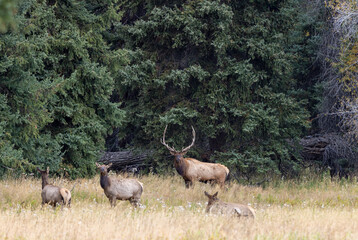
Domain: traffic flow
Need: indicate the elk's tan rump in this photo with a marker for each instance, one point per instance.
(66, 195)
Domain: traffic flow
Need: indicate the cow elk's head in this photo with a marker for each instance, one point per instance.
(212, 198)
(103, 168)
(44, 176)
(177, 154)
(44, 172)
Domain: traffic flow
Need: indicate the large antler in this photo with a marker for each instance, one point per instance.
(163, 141)
(192, 144)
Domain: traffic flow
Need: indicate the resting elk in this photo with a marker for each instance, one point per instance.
(52, 194)
(194, 170)
(122, 189)
(215, 206)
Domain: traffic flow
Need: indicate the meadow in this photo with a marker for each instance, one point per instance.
(315, 208)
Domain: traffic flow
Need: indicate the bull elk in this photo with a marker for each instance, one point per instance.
(122, 189)
(194, 170)
(52, 194)
(216, 206)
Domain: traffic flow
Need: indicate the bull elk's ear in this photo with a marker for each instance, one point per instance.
(48, 170)
(172, 153)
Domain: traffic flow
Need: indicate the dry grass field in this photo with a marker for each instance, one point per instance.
(312, 209)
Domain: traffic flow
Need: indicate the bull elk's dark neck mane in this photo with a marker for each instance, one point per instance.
(180, 165)
(105, 181)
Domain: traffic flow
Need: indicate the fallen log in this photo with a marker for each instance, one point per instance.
(125, 160)
(329, 150)
(313, 147)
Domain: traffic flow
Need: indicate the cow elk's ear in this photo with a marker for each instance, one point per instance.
(98, 165)
(216, 194)
(109, 165)
(207, 194)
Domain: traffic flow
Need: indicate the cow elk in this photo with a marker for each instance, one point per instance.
(122, 189)
(194, 170)
(216, 206)
(52, 194)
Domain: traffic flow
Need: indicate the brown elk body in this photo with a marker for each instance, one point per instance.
(120, 189)
(52, 194)
(194, 170)
(216, 206)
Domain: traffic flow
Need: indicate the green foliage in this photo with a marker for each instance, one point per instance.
(10, 157)
(7, 10)
(55, 76)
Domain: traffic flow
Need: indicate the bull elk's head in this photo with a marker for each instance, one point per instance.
(178, 154)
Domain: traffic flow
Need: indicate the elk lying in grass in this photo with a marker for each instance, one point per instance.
(121, 189)
(194, 170)
(52, 194)
(216, 206)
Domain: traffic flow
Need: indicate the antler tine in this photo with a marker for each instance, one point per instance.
(163, 141)
(192, 144)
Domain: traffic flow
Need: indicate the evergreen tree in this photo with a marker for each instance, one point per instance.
(55, 76)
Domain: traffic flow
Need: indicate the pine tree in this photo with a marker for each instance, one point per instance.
(55, 72)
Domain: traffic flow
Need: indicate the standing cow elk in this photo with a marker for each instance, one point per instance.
(52, 194)
(122, 189)
(194, 170)
(215, 206)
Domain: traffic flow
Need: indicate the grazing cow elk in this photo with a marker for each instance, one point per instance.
(194, 170)
(52, 194)
(122, 189)
(216, 206)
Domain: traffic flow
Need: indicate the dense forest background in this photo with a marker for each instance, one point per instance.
(253, 77)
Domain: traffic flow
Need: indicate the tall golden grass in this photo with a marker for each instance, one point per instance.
(312, 209)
